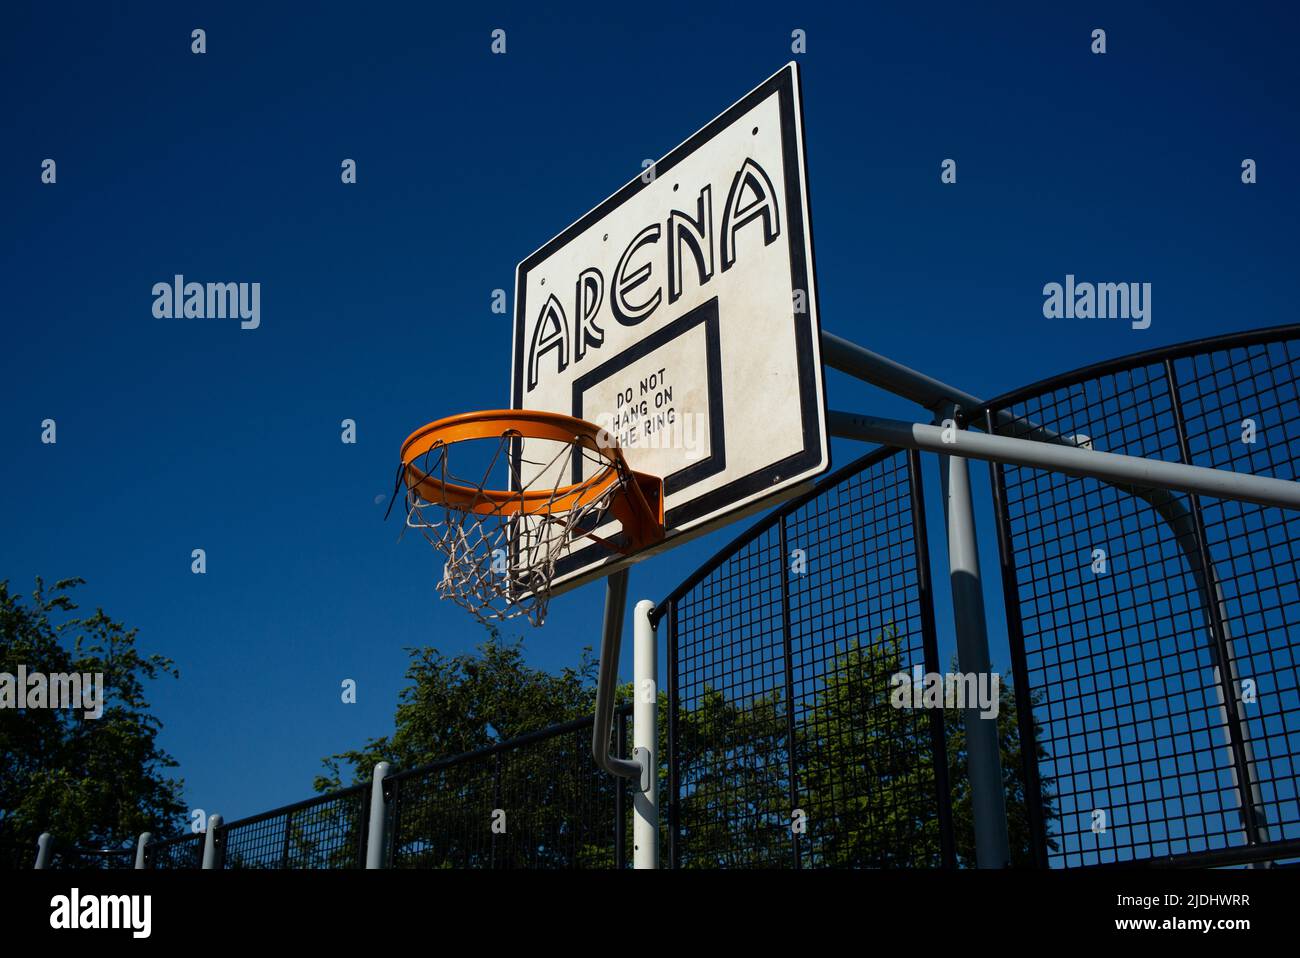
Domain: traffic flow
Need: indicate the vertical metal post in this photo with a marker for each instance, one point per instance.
(141, 842)
(930, 645)
(284, 845)
(44, 847)
(984, 760)
(393, 792)
(787, 659)
(1019, 665)
(494, 861)
(670, 617)
(620, 795)
(645, 738)
(375, 845)
(210, 842)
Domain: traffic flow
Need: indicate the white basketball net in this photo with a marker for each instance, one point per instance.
(500, 562)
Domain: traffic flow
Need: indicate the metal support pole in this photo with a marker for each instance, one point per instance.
(611, 641)
(141, 842)
(645, 738)
(862, 363)
(1072, 460)
(210, 843)
(930, 652)
(934, 395)
(620, 796)
(1226, 680)
(787, 673)
(1032, 784)
(983, 750)
(667, 614)
(44, 848)
(375, 844)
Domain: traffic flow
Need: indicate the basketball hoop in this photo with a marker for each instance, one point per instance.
(567, 478)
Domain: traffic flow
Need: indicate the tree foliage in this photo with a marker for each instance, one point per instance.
(92, 782)
(457, 704)
(865, 771)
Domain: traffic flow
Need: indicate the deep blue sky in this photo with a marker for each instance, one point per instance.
(177, 435)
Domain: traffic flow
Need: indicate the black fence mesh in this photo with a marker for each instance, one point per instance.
(93, 859)
(15, 856)
(325, 832)
(1155, 641)
(181, 852)
(538, 801)
(535, 802)
(785, 748)
(1156, 633)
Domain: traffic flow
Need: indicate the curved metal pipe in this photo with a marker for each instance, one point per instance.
(611, 641)
(933, 394)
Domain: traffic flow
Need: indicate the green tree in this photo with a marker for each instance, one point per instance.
(466, 702)
(557, 804)
(734, 772)
(92, 782)
(1013, 780)
(868, 769)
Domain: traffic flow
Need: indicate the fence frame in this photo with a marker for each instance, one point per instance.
(666, 612)
(994, 418)
(997, 418)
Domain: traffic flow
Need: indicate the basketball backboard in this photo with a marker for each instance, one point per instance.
(681, 315)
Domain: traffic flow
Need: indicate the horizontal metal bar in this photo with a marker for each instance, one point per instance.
(1070, 460)
(352, 791)
(1218, 858)
(528, 738)
(862, 363)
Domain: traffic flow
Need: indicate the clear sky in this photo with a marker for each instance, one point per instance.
(176, 435)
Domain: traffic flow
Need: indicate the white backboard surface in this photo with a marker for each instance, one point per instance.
(681, 315)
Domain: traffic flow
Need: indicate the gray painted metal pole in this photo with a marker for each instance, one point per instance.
(44, 848)
(141, 842)
(861, 363)
(1150, 480)
(933, 394)
(611, 641)
(376, 846)
(645, 738)
(983, 749)
(210, 843)
(1072, 460)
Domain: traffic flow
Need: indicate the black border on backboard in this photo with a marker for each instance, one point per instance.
(784, 84)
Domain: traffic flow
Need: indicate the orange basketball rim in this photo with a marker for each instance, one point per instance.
(637, 498)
